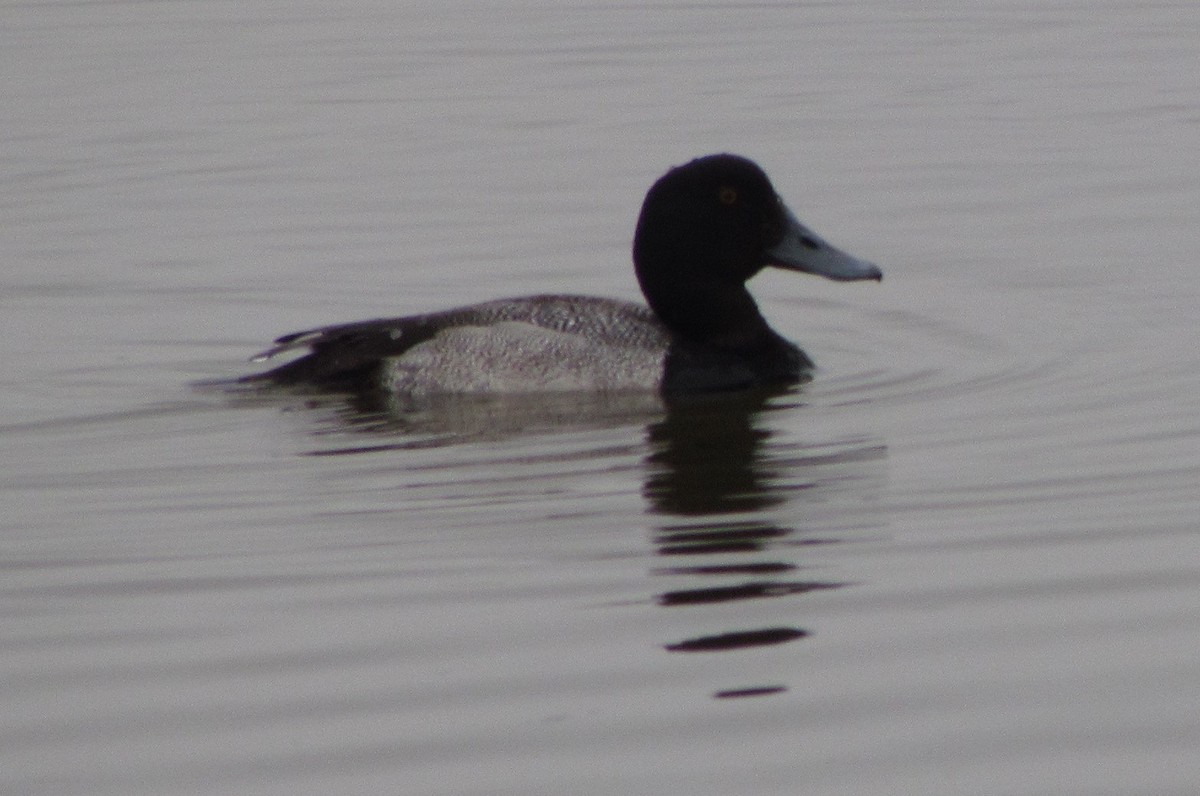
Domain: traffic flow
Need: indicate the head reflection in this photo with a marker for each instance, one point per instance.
(718, 482)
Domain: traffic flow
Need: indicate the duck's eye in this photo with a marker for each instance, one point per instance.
(727, 195)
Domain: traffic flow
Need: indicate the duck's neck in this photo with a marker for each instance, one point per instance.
(719, 315)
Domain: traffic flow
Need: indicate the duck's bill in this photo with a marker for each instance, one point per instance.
(802, 250)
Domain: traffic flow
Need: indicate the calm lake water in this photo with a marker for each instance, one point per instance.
(964, 559)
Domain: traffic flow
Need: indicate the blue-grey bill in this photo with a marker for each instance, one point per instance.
(803, 250)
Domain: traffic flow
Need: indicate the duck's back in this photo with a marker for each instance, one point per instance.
(528, 344)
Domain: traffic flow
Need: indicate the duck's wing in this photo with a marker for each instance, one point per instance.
(343, 353)
(349, 354)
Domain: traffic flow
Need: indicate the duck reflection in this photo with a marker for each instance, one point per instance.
(386, 422)
(714, 474)
(727, 488)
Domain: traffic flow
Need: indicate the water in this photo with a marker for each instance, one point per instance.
(962, 560)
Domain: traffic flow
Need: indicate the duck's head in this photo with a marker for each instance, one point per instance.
(709, 225)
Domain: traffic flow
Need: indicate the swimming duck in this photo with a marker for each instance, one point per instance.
(705, 228)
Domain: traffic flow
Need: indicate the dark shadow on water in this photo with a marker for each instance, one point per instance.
(739, 639)
(717, 480)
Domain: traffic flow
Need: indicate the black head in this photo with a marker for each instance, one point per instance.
(708, 226)
(714, 218)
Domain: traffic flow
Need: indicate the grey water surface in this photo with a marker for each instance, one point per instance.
(964, 559)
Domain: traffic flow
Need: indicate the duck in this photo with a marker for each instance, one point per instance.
(705, 228)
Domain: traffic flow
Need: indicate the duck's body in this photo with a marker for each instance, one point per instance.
(705, 228)
(527, 344)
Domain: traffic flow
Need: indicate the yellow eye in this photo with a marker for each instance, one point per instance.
(727, 195)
